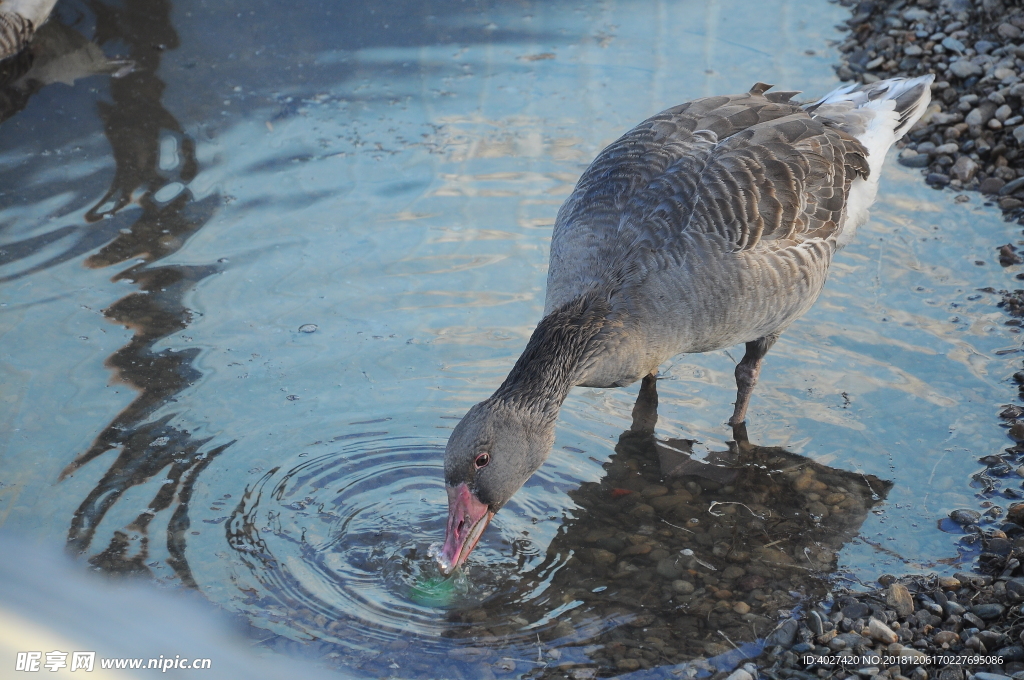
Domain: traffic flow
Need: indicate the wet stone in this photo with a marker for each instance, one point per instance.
(898, 597)
(668, 569)
(987, 612)
(856, 610)
(784, 634)
(965, 517)
(881, 632)
(683, 587)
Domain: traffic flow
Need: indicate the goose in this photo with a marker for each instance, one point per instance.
(19, 21)
(711, 224)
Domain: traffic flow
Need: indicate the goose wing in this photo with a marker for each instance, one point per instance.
(746, 171)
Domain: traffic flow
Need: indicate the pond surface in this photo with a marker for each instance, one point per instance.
(248, 288)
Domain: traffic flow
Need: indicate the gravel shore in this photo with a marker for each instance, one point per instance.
(973, 134)
(970, 625)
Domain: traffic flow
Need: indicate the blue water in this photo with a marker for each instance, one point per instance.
(389, 173)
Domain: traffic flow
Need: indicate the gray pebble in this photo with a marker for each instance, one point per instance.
(784, 635)
(1010, 188)
(668, 569)
(987, 612)
(953, 45)
(965, 517)
(683, 587)
(964, 68)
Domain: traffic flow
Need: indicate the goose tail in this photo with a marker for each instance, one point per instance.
(909, 96)
(877, 115)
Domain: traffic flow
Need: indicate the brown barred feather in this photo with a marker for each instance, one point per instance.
(15, 33)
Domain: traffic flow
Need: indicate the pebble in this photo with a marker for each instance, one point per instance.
(739, 674)
(881, 632)
(683, 587)
(898, 597)
(668, 569)
(965, 517)
(987, 612)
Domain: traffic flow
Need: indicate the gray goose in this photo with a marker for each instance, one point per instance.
(708, 225)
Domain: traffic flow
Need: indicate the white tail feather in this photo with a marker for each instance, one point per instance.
(877, 115)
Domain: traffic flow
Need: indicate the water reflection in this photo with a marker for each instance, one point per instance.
(136, 123)
(665, 560)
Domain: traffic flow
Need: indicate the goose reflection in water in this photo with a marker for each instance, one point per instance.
(666, 560)
(687, 558)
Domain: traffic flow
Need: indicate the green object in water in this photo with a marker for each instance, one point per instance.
(433, 591)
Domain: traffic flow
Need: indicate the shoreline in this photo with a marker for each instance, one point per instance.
(971, 625)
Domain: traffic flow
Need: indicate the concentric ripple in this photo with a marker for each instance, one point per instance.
(339, 548)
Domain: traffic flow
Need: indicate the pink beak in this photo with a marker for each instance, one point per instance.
(467, 519)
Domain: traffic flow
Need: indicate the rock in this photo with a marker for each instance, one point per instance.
(741, 608)
(912, 159)
(784, 634)
(964, 68)
(987, 612)
(610, 543)
(603, 556)
(663, 503)
(627, 664)
(1015, 589)
(964, 169)
(470, 654)
(937, 179)
(638, 549)
(733, 572)
(954, 609)
(1011, 187)
(965, 517)
(505, 665)
(739, 674)
(1011, 653)
(881, 632)
(856, 610)
(945, 637)
(1007, 31)
(654, 491)
(898, 597)
(949, 583)
(953, 45)
(991, 185)
(1003, 112)
(1018, 134)
(683, 587)
(668, 569)
(947, 149)
(990, 676)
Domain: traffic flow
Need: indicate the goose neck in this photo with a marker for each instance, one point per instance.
(550, 365)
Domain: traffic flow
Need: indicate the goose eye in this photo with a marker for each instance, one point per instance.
(482, 460)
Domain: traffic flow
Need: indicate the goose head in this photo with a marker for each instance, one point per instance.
(491, 453)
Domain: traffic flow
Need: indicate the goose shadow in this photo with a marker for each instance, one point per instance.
(672, 560)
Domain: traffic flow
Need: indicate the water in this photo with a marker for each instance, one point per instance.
(249, 287)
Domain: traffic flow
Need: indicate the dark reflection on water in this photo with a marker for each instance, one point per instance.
(666, 561)
(134, 122)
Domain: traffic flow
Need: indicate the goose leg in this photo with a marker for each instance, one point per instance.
(746, 375)
(645, 411)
